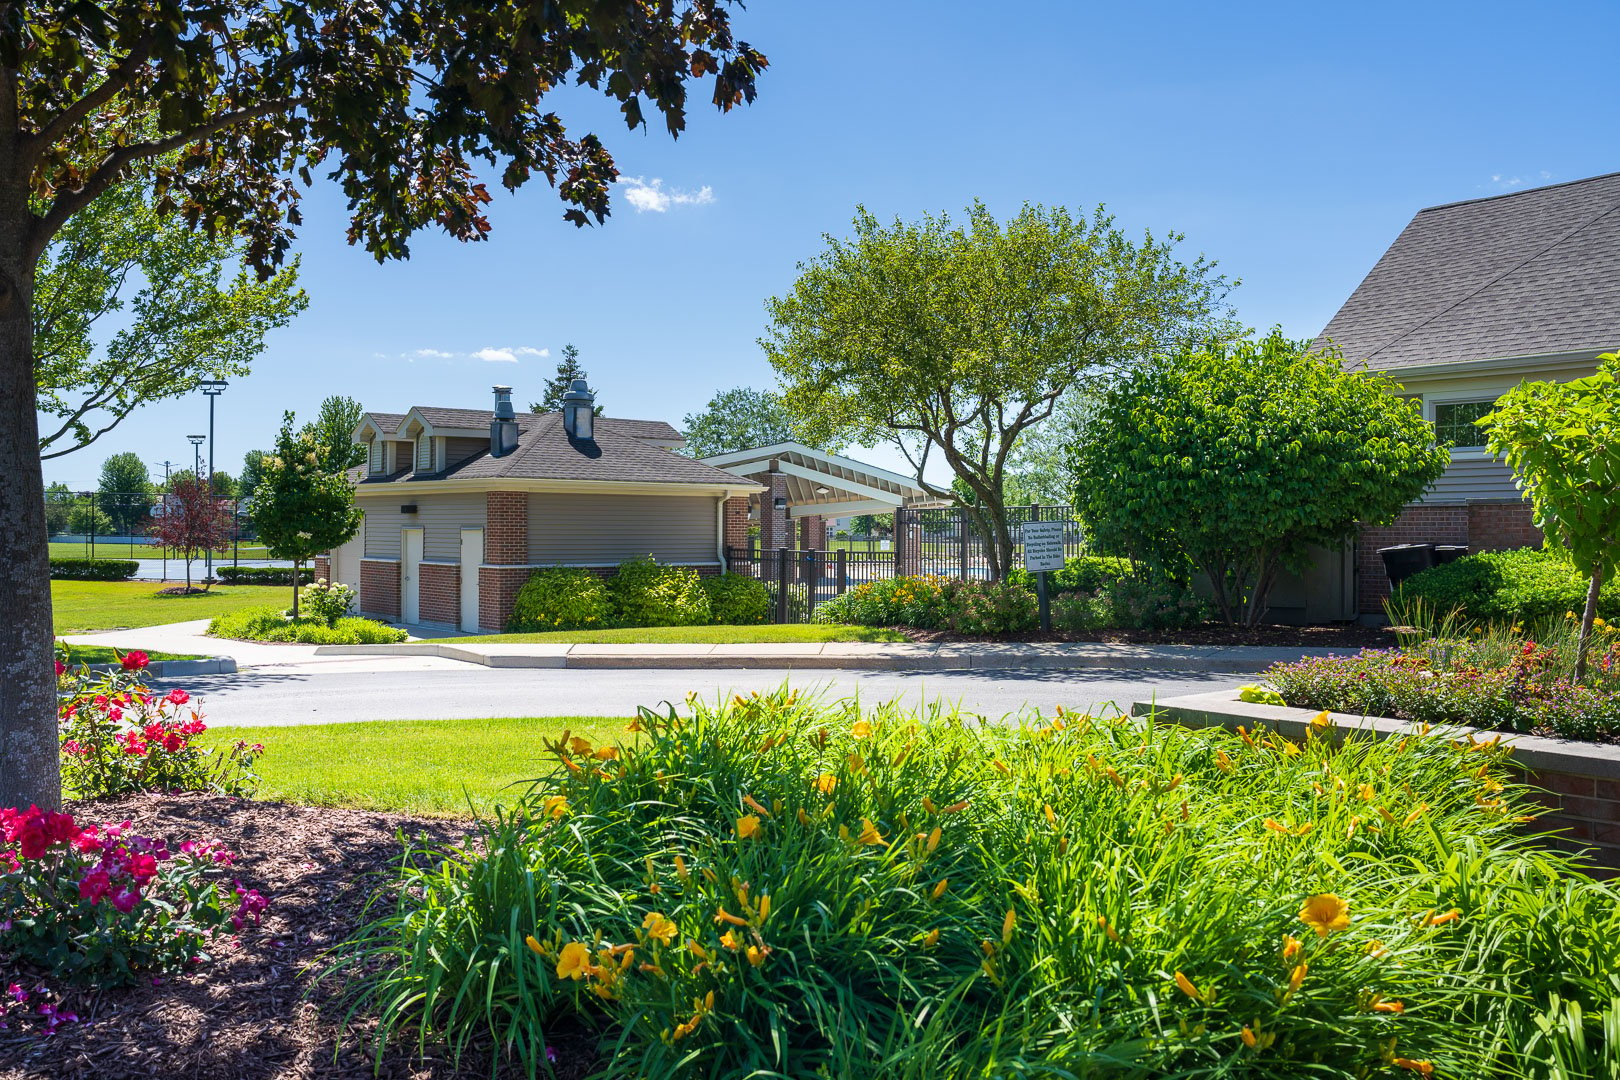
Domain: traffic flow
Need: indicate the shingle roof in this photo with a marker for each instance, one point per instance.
(618, 453)
(387, 422)
(1529, 273)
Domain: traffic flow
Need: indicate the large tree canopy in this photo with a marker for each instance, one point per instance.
(234, 106)
(188, 311)
(333, 432)
(957, 338)
(739, 419)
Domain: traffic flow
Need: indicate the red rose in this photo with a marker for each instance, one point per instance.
(60, 668)
(135, 660)
(178, 697)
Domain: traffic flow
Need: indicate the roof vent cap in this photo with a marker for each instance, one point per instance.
(579, 412)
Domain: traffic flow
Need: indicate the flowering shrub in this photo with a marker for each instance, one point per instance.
(901, 601)
(118, 737)
(273, 624)
(737, 599)
(988, 607)
(763, 887)
(1441, 682)
(561, 598)
(328, 601)
(104, 904)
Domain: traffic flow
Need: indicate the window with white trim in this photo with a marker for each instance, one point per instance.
(1454, 423)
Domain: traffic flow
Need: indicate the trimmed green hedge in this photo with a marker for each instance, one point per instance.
(93, 569)
(1529, 583)
(262, 575)
(271, 624)
(561, 598)
(737, 600)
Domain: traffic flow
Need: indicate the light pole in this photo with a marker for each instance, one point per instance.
(213, 388)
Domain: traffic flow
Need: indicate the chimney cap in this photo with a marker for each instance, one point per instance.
(502, 389)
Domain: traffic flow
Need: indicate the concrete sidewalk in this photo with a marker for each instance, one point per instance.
(867, 656)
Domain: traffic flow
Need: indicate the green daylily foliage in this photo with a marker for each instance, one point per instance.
(1563, 442)
(1235, 459)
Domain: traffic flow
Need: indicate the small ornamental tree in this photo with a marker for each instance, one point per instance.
(300, 509)
(1235, 459)
(1563, 442)
(193, 521)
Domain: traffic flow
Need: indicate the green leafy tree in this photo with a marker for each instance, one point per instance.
(568, 369)
(957, 339)
(59, 500)
(225, 484)
(228, 110)
(1563, 442)
(186, 310)
(123, 490)
(87, 519)
(300, 508)
(1234, 459)
(333, 432)
(740, 419)
(252, 467)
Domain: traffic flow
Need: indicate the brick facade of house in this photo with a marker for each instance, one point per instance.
(734, 528)
(1481, 526)
(323, 568)
(379, 587)
(506, 527)
(440, 593)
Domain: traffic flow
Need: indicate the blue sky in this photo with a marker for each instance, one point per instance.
(1290, 142)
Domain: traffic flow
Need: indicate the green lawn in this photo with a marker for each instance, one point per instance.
(705, 635)
(114, 550)
(83, 606)
(428, 767)
(105, 654)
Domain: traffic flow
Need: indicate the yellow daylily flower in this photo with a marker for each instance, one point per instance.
(933, 839)
(1377, 949)
(606, 753)
(1291, 946)
(862, 729)
(1007, 925)
(1186, 986)
(575, 961)
(722, 915)
(756, 955)
(931, 938)
(869, 834)
(1222, 762)
(579, 745)
(534, 946)
(747, 826)
(729, 940)
(928, 805)
(1325, 913)
(555, 806)
(826, 782)
(939, 889)
(658, 927)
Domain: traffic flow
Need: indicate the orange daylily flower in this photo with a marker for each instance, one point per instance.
(1186, 986)
(826, 782)
(869, 833)
(754, 805)
(1291, 946)
(659, 928)
(747, 826)
(1325, 913)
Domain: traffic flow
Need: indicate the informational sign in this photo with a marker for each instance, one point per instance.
(1043, 545)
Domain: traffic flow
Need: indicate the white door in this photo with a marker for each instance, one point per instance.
(410, 572)
(346, 562)
(472, 553)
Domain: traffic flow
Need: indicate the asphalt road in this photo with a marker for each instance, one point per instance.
(445, 690)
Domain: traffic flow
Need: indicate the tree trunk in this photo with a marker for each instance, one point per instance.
(1588, 617)
(29, 745)
(298, 566)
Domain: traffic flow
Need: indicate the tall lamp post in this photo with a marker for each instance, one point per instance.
(213, 388)
(196, 470)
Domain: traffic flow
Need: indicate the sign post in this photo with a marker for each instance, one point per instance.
(1043, 552)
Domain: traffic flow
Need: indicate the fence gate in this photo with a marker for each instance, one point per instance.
(944, 542)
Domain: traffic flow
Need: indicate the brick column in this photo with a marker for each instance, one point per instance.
(813, 533)
(775, 530)
(735, 533)
(323, 568)
(506, 543)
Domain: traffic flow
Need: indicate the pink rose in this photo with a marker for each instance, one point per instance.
(94, 885)
(134, 660)
(126, 898)
(178, 697)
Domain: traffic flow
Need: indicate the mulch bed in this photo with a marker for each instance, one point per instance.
(256, 1012)
(1328, 636)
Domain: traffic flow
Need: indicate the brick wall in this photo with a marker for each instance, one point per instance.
(497, 590)
(734, 533)
(1583, 810)
(813, 534)
(1499, 526)
(323, 568)
(440, 589)
(775, 530)
(379, 588)
(1482, 526)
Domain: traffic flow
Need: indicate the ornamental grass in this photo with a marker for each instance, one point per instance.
(779, 887)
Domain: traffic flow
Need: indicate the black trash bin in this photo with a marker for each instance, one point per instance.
(1444, 553)
(1404, 560)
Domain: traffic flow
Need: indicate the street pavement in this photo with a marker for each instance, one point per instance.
(426, 688)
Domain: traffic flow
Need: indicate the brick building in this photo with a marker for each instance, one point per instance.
(1472, 298)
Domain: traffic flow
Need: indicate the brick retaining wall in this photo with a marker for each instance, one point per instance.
(379, 588)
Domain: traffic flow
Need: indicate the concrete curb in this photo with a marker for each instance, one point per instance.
(174, 669)
(844, 656)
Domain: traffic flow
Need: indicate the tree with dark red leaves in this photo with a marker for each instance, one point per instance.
(193, 521)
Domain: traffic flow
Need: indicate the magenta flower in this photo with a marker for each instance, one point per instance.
(134, 660)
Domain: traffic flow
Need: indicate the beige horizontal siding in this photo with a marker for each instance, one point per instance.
(612, 528)
(440, 517)
(1470, 477)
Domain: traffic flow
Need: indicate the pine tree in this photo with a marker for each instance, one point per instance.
(568, 369)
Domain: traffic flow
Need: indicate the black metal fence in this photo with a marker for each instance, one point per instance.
(943, 541)
(122, 525)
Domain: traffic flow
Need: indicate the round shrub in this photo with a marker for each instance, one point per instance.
(903, 601)
(1083, 573)
(737, 600)
(1528, 583)
(273, 624)
(561, 598)
(647, 593)
(989, 607)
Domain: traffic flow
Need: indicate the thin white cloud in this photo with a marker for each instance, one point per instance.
(1505, 182)
(651, 195)
(491, 354)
